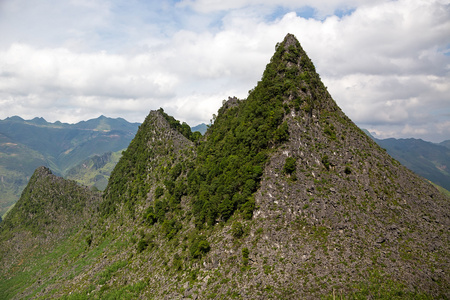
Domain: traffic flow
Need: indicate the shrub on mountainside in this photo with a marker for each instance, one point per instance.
(290, 165)
(159, 192)
(245, 254)
(326, 162)
(199, 247)
(237, 230)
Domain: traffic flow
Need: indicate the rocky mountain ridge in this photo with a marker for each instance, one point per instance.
(284, 197)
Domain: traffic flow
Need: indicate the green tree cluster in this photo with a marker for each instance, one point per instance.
(199, 247)
(290, 165)
(237, 230)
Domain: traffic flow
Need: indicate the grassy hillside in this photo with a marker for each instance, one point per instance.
(43, 221)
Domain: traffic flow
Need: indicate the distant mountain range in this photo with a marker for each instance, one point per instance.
(28, 144)
(94, 171)
(429, 160)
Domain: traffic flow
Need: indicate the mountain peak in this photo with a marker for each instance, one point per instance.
(291, 78)
(38, 121)
(290, 39)
(159, 144)
(47, 201)
(15, 118)
(43, 171)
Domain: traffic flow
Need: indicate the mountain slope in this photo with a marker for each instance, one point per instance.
(445, 143)
(49, 211)
(332, 208)
(284, 197)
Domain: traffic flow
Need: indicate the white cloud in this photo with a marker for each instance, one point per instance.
(322, 8)
(32, 70)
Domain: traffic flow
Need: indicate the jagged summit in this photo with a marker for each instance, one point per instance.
(292, 75)
(49, 201)
(290, 39)
(284, 197)
(158, 136)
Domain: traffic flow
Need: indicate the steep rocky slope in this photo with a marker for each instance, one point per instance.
(283, 198)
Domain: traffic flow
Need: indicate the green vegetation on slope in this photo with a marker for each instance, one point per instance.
(129, 182)
(42, 269)
(43, 203)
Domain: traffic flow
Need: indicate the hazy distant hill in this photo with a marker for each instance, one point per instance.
(429, 160)
(17, 164)
(445, 143)
(95, 170)
(200, 128)
(28, 144)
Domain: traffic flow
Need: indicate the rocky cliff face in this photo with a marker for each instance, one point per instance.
(284, 198)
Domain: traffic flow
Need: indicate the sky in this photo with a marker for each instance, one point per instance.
(385, 63)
